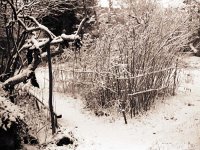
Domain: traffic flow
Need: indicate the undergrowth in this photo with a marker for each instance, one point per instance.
(39, 125)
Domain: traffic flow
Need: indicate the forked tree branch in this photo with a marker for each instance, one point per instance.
(35, 45)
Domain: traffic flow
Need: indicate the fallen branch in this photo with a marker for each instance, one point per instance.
(26, 74)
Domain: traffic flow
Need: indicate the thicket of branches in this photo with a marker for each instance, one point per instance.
(137, 61)
(134, 59)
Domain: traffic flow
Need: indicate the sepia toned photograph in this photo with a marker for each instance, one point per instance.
(99, 74)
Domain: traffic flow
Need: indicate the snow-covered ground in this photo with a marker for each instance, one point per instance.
(172, 124)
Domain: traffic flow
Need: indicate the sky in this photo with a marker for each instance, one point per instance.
(165, 3)
(173, 3)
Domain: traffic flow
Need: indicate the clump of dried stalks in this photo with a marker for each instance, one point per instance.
(136, 62)
(132, 64)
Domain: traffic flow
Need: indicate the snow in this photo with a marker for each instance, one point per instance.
(9, 113)
(171, 3)
(173, 123)
(164, 3)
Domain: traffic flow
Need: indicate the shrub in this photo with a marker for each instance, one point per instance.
(133, 61)
(137, 61)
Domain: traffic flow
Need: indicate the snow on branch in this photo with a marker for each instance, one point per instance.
(26, 74)
(36, 44)
(27, 5)
(193, 48)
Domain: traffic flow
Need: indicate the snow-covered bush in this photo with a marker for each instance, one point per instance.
(9, 113)
(136, 61)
